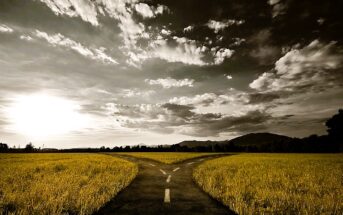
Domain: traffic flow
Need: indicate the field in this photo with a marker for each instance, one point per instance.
(60, 183)
(166, 157)
(275, 183)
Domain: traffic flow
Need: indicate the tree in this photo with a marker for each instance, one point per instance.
(29, 147)
(335, 128)
(335, 124)
(3, 147)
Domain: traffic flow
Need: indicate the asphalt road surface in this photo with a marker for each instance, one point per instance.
(164, 189)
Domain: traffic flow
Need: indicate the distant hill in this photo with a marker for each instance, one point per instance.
(256, 140)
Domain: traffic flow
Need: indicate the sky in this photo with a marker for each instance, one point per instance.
(90, 73)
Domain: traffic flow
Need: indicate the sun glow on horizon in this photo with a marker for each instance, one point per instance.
(42, 116)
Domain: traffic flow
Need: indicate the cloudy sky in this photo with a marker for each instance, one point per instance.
(87, 73)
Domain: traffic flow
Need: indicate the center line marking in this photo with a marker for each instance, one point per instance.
(167, 196)
(164, 173)
(201, 159)
(176, 169)
(190, 163)
(151, 164)
(168, 179)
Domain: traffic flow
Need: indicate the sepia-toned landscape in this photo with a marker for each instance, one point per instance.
(163, 107)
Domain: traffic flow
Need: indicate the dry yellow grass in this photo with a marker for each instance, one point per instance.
(167, 157)
(60, 183)
(275, 183)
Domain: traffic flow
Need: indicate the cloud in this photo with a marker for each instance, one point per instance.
(186, 51)
(74, 8)
(263, 51)
(183, 119)
(60, 40)
(144, 10)
(188, 28)
(5, 29)
(122, 11)
(26, 37)
(231, 97)
(217, 26)
(176, 49)
(256, 98)
(278, 7)
(221, 54)
(265, 54)
(128, 93)
(165, 32)
(312, 67)
(161, 9)
(170, 82)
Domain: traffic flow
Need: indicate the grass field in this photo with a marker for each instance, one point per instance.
(275, 183)
(166, 157)
(60, 183)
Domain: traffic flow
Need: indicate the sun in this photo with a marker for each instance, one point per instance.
(41, 115)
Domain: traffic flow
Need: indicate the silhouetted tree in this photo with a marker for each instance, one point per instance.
(3, 147)
(335, 129)
(29, 148)
(335, 125)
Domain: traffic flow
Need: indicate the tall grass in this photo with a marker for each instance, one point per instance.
(275, 183)
(167, 157)
(60, 183)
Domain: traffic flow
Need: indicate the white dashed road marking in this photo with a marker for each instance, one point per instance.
(152, 164)
(190, 163)
(164, 173)
(176, 169)
(167, 196)
(168, 179)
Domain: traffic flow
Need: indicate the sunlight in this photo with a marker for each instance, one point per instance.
(41, 115)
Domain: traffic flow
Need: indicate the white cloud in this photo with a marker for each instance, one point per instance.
(220, 25)
(186, 51)
(5, 29)
(312, 66)
(88, 11)
(165, 32)
(170, 82)
(74, 8)
(188, 29)
(221, 55)
(161, 9)
(144, 10)
(128, 93)
(230, 97)
(60, 40)
(25, 37)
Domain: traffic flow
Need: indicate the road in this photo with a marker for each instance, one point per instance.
(164, 189)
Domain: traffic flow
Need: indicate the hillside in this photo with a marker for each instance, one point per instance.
(254, 140)
(258, 139)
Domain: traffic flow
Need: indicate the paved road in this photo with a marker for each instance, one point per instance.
(164, 189)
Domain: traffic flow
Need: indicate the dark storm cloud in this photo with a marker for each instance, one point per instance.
(182, 111)
(255, 98)
(183, 119)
